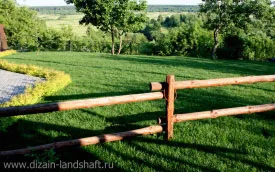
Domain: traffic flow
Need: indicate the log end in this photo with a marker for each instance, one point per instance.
(157, 86)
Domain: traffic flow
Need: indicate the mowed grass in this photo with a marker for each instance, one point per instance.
(240, 143)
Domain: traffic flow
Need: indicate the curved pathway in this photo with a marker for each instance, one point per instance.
(12, 84)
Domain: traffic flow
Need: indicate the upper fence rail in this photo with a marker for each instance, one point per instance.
(79, 104)
(165, 124)
(107, 101)
(157, 86)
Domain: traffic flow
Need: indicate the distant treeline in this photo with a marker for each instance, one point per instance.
(173, 8)
(70, 10)
(63, 10)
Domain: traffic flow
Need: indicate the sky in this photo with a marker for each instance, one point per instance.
(62, 3)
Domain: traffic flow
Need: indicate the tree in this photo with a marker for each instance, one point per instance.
(223, 15)
(173, 21)
(160, 19)
(22, 25)
(116, 17)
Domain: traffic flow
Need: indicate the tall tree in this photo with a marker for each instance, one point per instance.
(223, 15)
(116, 17)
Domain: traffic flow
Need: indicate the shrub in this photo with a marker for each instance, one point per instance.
(8, 52)
(233, 47)
(247, 46)
(55, 80)
(189, 39)
(258, 47)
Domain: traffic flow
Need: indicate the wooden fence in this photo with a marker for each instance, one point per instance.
(166, 90)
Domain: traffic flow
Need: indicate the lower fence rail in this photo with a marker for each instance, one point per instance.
(144, 131)
(223, 112)
(88, 141)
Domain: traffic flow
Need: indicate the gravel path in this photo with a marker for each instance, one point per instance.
(12, 84)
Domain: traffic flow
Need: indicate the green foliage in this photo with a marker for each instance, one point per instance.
(55, 81)
(163, 45)
(242, 30)
(227, 15)
(152, 27)
(7, 53)
(51, 39)
(117, 17)
(173, 21)
(136, 43)
(233, 48)
(258, 47)
(188, 39)
(70, 10)
(22, 25)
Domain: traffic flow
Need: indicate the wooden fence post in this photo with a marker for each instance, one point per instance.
(170, 99)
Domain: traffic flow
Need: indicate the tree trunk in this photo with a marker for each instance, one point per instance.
(113, 42)
(120, 45)
(216, 43)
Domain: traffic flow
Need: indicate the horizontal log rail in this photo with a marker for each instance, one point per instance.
(166, 124)
(79, 104)
(157, 86)
(87, 141)
(143, 131)
(223, 112)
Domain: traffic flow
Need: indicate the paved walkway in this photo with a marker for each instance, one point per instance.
(12, 84)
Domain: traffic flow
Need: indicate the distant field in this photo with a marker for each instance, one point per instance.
(57, 21)
(154, 15)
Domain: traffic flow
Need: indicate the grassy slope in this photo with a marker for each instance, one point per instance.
(241, 143)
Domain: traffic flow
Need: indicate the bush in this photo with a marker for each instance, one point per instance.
(55, 80)
(233, 48)
(7, 53)
(22, 25)
(247, 46)
(258, 47)
(189, 39)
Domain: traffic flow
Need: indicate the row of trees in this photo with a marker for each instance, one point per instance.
(226, 16)
(229, 29)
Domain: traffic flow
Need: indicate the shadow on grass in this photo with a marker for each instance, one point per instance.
(28, 132)
(31, 133)
(89, 66)
(222, 66)
(230, 154)
(64, 154)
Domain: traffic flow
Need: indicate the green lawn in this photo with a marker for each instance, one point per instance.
(241, 143)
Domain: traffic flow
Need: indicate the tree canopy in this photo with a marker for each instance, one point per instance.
(225, 15)
(21, 24)
(113, 16)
